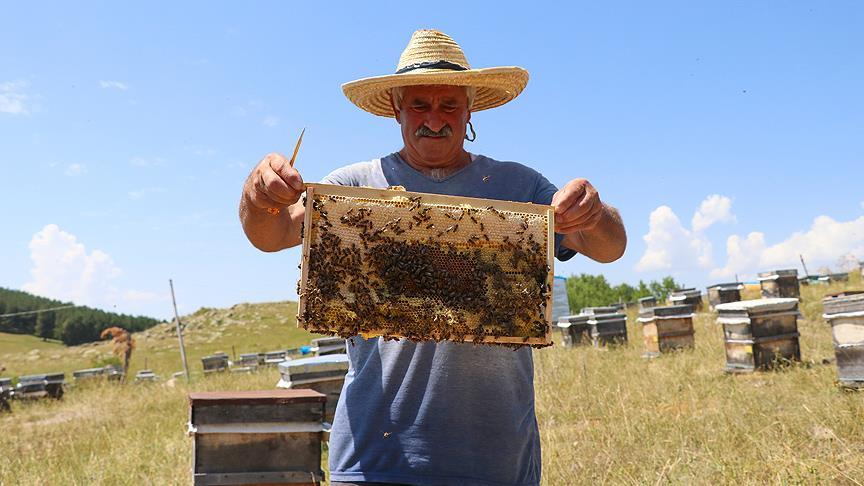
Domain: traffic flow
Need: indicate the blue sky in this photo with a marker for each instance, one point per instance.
(728, 134)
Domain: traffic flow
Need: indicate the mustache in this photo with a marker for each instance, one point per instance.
(425, 131)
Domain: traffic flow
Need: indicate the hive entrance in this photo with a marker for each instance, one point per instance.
(425, 266)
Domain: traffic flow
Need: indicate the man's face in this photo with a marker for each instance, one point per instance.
(433, 120)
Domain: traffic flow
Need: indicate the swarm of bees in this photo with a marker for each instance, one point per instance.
(410, 266)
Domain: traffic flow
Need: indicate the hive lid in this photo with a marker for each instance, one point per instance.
(843, 302)
(329, 362)
(204, 399)
(777, 304)
(618, 316)
(727, 286)
(593, 311)
(5, 381)
(666, 311)
(775, 274)
(650, 298)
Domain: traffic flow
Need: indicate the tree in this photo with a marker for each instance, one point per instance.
(45, 322)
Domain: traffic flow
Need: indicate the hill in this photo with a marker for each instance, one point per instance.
(243, 328)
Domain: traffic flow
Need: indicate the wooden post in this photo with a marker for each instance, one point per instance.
(179, 332)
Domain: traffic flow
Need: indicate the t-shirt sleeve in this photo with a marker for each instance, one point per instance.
(543, 193)
(340, 177)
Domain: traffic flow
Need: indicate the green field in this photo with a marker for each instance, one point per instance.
(607, 416)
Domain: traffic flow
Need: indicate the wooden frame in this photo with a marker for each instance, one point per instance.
(456, 203)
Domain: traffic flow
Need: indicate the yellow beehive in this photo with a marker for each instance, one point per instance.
(391, 263)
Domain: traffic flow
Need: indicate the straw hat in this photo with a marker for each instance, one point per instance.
(432, 57)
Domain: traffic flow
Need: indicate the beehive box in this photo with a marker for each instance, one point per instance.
(780, 283)
(215, 363)
(723, 293)
(759, 333)
(647, 302)
(256, 437)
(420, 266)
(691, 297)
(324, 374)
(38, 386)
(666, 328)
(575, 330)
(608, 329)
(329, 345)
(845, 313)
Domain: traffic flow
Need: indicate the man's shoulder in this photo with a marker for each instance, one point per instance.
(356, 174)
(508, 167)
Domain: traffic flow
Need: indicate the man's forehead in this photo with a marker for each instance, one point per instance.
(423, 90)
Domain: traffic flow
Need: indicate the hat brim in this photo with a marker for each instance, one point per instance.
(495, 86)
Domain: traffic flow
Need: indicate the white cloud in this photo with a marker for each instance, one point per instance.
(13, 99)
(140, 296)
(140, 193)
(714, 209)
(270, 121)
(73, 170)
(114, 85)
(825, 241)
(671, 246)
(200, 150)
(63, 269)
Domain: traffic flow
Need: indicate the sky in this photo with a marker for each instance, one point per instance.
(728, 134)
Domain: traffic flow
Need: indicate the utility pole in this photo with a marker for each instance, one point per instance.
(806, 273)
(179, 331)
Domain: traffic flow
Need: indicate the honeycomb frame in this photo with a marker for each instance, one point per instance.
(399, 264)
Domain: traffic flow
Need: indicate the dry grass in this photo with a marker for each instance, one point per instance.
(606, 416)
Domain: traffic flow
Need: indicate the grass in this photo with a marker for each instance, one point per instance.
(607, 416)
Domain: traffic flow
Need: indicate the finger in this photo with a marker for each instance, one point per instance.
(261, 201)
(589, 224)
(576, 213)
(567, 197)
(283, 168)
(276, 189)
(580, 213)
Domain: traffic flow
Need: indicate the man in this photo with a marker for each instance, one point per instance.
(435, 413)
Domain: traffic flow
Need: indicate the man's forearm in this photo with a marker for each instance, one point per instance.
(605, 242)
(271, 232)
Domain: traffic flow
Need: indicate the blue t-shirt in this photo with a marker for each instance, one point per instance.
(440, 413)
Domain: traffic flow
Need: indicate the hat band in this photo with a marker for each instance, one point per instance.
(432, 65)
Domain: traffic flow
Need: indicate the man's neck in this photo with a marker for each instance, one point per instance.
(437, 172)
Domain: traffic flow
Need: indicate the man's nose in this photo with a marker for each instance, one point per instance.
(434, 122)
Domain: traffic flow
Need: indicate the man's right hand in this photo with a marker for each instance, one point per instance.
(273, 184)
(269, 209)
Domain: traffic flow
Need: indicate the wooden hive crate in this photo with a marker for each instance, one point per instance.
(329, 345)
(399, 264)
(780, 283)
(5, 394)
(215, 363)
(691, 297)
(256, 437)
(647, 302)
(575, 330)
(324, 374)
(608, 329)
(666, 328)
(845, 313)
(87, 374)
(38, 386)
(759, 333)
(723, 293)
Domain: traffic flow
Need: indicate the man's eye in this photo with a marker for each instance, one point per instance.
(419, 107)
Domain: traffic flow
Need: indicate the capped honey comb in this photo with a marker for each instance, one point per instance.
(397, 264)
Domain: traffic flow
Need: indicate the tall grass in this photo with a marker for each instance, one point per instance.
(607, 416)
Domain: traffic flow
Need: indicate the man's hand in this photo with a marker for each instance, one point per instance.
(273, 184)
(269, 209)
(577, 207)
(590, 227)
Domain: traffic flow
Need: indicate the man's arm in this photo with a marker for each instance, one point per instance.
(270, 208)
(589, 226)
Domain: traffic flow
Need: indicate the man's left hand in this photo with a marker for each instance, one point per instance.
(577, 207)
